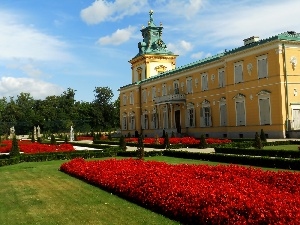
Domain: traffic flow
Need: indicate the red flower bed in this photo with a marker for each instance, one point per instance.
(176, 140)
(81, 138)
(32, 148)
(198, 194)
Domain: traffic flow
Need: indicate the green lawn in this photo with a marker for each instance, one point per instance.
(37, 193)
(282, 147)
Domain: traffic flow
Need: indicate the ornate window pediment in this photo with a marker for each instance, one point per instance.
(205, 102)
(239, 95)
(263, 92)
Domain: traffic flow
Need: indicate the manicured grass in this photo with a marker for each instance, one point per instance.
(282, 147)
(38, 193)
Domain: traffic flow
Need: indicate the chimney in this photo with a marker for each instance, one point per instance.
(251, 40)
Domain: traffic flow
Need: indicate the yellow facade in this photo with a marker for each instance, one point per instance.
(233, 94)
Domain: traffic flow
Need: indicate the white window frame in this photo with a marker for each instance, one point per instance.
(131, 99)
(124, 99)
(145, 121)
(190, 115)
(264, 95)
(154, 119)
(189, 85)
(205, 116)
(240, 100)
(164, 90)
(153, 93)
(176, 87)
(295, 109)
(204, 81)
(223, 118)
(132, 121)
(144, 95)
(262, 66)
(221, 77)
(124, 121)
(238, 78)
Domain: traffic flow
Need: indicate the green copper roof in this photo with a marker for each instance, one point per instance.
(152, 39)
(286, 36)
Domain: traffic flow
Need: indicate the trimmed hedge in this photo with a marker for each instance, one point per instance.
(271, 162)
(260, 152)
(134, 153)
(97, 146)
(109, 152)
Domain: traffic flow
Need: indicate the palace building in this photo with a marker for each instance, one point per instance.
(229, 95)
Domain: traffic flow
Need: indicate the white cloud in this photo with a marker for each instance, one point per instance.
(104, 10)
(11, 86)
(183, 8)
(118, 37)
(18, 40)
(180, 48)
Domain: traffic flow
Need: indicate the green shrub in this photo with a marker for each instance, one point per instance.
(203, 143)
(140, 149)
(167, 141)
(257, 142)
(263, 135)
(122, 143)
(52, 140)
(14, 151)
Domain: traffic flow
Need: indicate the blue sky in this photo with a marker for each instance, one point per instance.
(49, 46)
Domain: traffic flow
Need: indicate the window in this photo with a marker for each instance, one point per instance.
(190, 117)
(205, 114)
(124, 121)
(132, 121)
(131, 98)
(238, 72)
(164, 90)
(189, 85)
(124, 99)
(144, 96)
(144, 120)
(154, 122)
(262, 66)
(221, 77)
(165, 118)
(223, 112)
(240, 110)
(176, 87)
(204, 82)
(264, 107)
(295, 117)
(153, 93)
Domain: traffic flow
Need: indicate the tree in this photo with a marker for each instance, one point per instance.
(14, 151)
(263, 136)
(103, 109)
(257, 142)
(140, 150)
(122, 143)
(203, 143)
(167, 141)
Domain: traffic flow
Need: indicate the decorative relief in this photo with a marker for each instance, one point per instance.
(196, 82)
(293, 62)
(249, 68)
(212, 77)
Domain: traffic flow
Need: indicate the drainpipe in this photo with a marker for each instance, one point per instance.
(286, 89)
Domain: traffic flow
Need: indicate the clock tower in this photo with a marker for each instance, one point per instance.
(153, 56)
